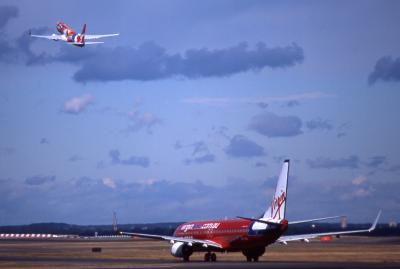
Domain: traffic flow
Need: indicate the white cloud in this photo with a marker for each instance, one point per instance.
(77, 104)
(359, 180)
(109, 182)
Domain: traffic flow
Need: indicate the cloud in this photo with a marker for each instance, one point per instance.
(292, 103)
(7, 13)
(286, 99)
(262, 105)
(77, 104)
(7, 51)
(359, 180)
(242, 147)
(386, 69)
(109, 182)
(319, 124)
(6, 151)
(74, 158)
(200, 153)
(272, 125)
(44, 140)
(327, 163)
(39, 180)
(376, 161)
(141, 121)
(133, 160)
(207, 158)
(260, 164)
(152, 62)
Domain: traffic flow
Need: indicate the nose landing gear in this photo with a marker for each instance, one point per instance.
(210, 257)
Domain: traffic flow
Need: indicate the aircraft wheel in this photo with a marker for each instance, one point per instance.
(213, 257)
(186, 258)
(255, 258)
(207, 257)
(248, 258)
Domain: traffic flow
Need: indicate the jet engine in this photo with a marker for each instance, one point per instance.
(181, 250)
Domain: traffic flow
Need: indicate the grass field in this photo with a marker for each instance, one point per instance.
(133, 253)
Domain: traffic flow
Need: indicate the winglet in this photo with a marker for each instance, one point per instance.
(373, 226)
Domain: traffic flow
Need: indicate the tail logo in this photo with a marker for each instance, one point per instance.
(277, 204)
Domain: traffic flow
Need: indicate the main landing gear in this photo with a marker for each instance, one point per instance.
(210, 257)
(252, 255)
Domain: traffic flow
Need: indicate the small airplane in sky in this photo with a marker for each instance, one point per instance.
(248, 235)
(67, 34)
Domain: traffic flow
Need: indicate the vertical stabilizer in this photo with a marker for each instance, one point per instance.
(276, 211)
(83, 29)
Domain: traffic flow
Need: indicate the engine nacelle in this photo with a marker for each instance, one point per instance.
(180, 250)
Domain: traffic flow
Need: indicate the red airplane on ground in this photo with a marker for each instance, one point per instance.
(70, 36)
(248, 235)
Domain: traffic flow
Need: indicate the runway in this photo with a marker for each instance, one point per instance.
(350, 252)
(24, 262)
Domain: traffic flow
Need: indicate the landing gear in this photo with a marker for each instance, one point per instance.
(252, 258)
(252, 255)
(186, 258)
(210, 257)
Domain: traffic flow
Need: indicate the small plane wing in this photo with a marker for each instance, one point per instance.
(172, 239)
(50, 37)
(90, 37)
(284, 239)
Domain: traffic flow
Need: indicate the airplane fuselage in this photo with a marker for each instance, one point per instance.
(232, 235)
(69, 35)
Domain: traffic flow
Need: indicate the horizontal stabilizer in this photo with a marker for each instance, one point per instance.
(258, 220)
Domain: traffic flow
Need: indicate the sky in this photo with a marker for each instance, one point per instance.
(190, 112)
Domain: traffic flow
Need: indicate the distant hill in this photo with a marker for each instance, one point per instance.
(169, 227)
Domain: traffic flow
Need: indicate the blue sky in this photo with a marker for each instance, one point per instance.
(189, 113)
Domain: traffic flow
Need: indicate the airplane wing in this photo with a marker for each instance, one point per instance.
(50, 37)
(90, 37)
(173, 239)
(305, 237)
(311, 220)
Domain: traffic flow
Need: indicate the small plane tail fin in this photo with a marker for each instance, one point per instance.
(82, 41)
(276, 211)
(83, 29)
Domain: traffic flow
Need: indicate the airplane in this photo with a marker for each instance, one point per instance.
(249, 235)
(68, 35)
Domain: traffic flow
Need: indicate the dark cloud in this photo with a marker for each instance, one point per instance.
(328, 163)
(292, 103)
(178, 145)
(133, 160)
(376, 161)
(319, 124)
(39, 180)
(394, 168)
(262, 105)
(272, 125)
(386, 69)
(152, 62)
(207, 158)
(242, 147)
(81, 199)
(200, 153)
(74, 158)
(6, 151)
(44, 140)
(7, 13)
